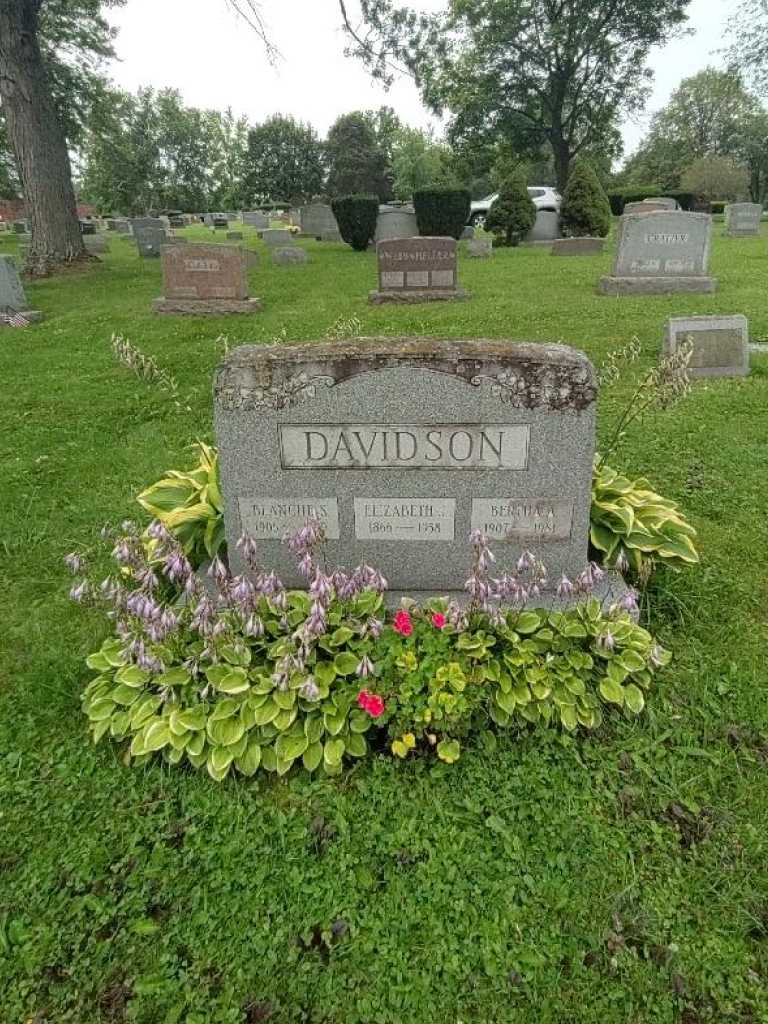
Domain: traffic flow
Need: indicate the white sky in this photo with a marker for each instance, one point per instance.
(202, 48)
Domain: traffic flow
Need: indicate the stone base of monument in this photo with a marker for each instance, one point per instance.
(414, 296)
(584, 246)
(32, 316)
(656, 285)
(206, 307)
(608, 591)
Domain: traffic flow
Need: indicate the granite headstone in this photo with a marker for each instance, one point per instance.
(150, 236)
(661, 253)
(289, 255)
(317, 220)
(501, 439)
(12, 297)
(743, 219)
(277, 236)
(417, 270)
(205, 279)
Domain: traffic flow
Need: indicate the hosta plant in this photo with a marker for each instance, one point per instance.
(190, 506)
(237, 673)
(634, 528)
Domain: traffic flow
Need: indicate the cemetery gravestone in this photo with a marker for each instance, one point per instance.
(662, 202)
(277, 236)
(288, 255)
(150, 236)
(743, 219)
(255, 219)
(205, 279)
(584, 246)
(395, 222)
(645, 207)
(317, 220)
(501, 440)
(720, 344)
(417, 270)
(96, 244)
(12, 297)
(20, 227)
(87, 227)
(546, 227)
(660, 253)
(480, 248)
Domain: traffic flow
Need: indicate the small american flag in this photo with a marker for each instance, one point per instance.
(13, 318)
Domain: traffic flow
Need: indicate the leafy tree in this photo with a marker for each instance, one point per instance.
(716, 177)
(585, 210)
(285, 161)
(513, 213)
(50, 52)
(710, 114)
(357, 162)
(748, 53)
(535, 70)
(418, 162)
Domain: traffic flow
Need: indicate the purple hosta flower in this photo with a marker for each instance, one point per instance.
(606, 642)
(220, 629)
(565, 588)
(177, 567)
(109, 588)
(628, 602)
(269, 584)
(597, 572)
(370, 578)
(150, 663)
(526, 561)
(457, 616)
(204, 616)
(305, 538)
(253, 626)
(75, 563)
(316, 623)
(374, 628)
(309, 690)
(622, 562)
(123, 553)
(478, 539)
(248, 549)
(147, 579)
(321, 588)
(346, 586)
(585, 582)
(218, 571)
(365, 668)
(306, 566)
(81, 592)
(243, 593)
(158, 531)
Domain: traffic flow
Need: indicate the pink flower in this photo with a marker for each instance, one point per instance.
(439, 620)
(372, 703)
(403, 624)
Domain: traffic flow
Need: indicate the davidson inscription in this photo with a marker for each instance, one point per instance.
(407, 446)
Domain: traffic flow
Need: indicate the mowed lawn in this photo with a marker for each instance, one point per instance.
(618, 877)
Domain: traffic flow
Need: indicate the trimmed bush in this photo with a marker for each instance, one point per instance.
(717, 206)
(442, 212)
(513, 214)
(356, 216)
(585, 210)
(637, 193)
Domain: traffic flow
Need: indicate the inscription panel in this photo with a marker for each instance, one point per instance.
(417, 263)
(668, 243)
(523, 518)
(406, 446)
(272, 518)
(405, 519)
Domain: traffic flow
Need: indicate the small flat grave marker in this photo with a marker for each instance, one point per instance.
(720, 344)
(743, 219)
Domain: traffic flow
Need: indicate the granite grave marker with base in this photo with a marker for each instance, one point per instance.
(255, 219)
(417, 270)
(661, 253)
(743, 219)
(720, 344)
(12, 297)
(150, 236)
(501, 439)
(277, 236)
(318, 221)
(203, 279)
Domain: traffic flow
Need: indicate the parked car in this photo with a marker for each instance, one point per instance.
(544, 198)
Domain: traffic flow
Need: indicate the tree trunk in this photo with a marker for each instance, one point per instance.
(562, 154)
(38, 141)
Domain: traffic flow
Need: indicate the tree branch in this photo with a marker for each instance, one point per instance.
(250, 12)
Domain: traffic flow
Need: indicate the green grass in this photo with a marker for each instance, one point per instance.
(614, 878)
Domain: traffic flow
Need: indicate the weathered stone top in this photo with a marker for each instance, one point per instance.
(521, 374)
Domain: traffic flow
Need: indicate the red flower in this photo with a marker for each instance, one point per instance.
(403, 624)
(371, 702)
(439, 620)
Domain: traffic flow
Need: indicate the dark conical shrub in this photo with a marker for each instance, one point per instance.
(513, 214)
(586, 210)
(442, 211)
(356, 216)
